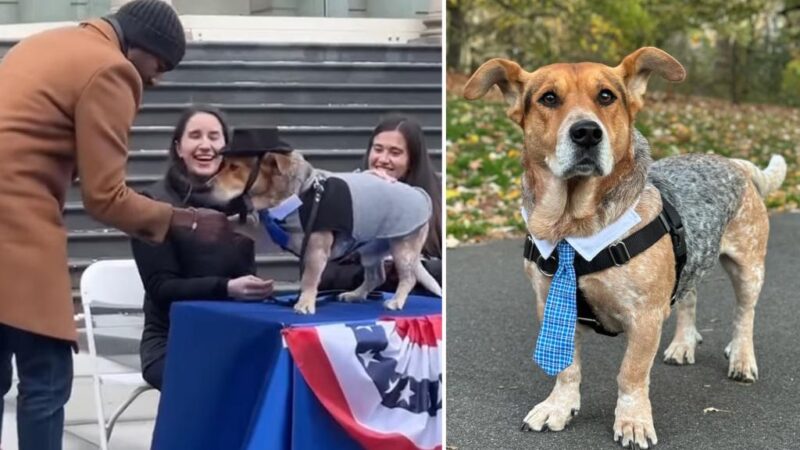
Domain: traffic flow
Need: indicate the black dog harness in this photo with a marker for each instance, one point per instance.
(618, 254)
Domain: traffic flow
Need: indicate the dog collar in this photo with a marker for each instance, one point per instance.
(588, 247)
(617, 254)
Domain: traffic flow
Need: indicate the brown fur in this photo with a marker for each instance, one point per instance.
(280, 176)
(635, 297)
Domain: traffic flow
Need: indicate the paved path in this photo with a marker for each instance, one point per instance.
(492, 381)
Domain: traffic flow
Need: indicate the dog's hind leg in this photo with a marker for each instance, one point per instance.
(374, 276)
(743, 249)
(681, 349)
(406, 254)
(564, 401)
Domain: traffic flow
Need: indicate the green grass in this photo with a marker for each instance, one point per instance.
(484, 151)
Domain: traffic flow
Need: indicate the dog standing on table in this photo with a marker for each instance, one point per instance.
(585, 167)
(359, 212)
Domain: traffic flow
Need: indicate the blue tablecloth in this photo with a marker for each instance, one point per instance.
(229, 383)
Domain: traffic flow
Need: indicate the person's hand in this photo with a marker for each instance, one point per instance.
(249, 287)
(207, 224)
(381, 174)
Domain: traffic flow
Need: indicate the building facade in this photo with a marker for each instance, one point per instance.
(29, 11)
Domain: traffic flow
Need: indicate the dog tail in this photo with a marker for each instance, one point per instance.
(426, 279)
(766, 180)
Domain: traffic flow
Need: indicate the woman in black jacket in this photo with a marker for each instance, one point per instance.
(182, 267)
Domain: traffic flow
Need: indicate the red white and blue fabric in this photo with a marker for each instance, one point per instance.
(381, 381)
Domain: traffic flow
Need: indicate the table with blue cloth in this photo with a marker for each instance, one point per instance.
(230, 383)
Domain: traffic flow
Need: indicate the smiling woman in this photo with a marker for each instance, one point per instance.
(182, 268)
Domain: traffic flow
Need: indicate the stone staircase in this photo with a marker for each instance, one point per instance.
(325, 99)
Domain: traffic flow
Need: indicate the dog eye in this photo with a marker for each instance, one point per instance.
(549, 99)
(606, 97)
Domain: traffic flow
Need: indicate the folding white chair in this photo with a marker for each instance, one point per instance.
(111, 284)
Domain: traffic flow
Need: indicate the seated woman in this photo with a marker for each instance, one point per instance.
(397, 150)
(183, 268)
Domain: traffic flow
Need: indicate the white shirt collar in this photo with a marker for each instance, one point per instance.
(589, 246)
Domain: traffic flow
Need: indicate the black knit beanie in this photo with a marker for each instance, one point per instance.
(153, 26)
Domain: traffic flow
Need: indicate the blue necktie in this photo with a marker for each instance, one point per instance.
(273, 227)
(556, 343)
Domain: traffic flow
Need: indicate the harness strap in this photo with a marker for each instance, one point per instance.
(618, 254)
(319, 189)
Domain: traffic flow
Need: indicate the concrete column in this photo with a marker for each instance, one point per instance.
(115, 4)
(44, 11)
(433, 24)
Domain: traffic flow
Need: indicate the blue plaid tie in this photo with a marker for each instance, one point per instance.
(556, 342)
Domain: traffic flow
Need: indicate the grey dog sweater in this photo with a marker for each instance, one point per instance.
(384, 210)
(361, 208)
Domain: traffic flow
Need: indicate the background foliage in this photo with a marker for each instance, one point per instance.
(742, 50)
(739, 99)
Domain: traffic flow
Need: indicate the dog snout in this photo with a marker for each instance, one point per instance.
(586, 133)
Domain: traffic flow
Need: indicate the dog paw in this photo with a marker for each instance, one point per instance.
(351, 296)
(633, 424)
(741, 362)
(305, 307)
(681, 349)
(393, 304)
(550, 415)
(631, 433)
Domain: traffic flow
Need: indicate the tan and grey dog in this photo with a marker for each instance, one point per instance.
(584, 166)
(384, 218)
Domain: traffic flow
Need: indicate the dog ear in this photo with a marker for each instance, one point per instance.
(282, 162)
(636, 68)
(507, 75)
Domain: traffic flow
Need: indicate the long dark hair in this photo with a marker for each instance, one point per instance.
(420, 173)
(180, 128)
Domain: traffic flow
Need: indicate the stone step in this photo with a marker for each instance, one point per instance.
(148, 166)
(294, 93)
(311, 52)
(307, 72)
(154, 162)
(300, 137)
(295, 115)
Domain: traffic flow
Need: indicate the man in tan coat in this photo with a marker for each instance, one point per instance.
(68, 98)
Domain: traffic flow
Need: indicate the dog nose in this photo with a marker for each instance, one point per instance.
(586, 133)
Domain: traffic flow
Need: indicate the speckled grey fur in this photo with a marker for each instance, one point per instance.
(707, 191)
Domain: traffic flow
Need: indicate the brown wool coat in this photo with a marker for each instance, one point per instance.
(68, 98)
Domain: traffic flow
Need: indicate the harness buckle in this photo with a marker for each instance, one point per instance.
(619, 253)
(540, 261)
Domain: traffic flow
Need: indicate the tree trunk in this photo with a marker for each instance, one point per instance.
(734, 72)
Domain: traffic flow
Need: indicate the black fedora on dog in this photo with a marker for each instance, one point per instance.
(256, 141)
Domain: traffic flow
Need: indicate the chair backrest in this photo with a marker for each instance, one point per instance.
(112, 283)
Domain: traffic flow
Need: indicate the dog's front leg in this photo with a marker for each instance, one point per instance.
(564, 400)
(633, 417)
(318, 250)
